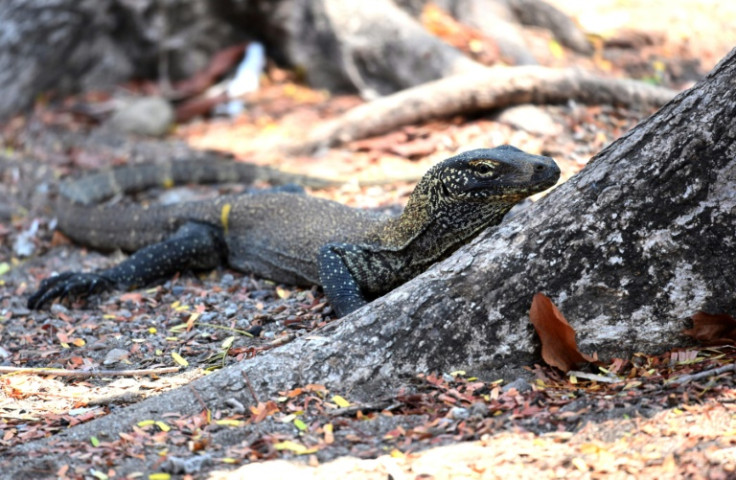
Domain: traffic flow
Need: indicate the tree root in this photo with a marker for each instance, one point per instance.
(494, 88)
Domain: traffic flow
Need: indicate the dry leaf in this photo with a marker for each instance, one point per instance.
(340, 401)
(558, 337)
(713, 329)
(179, 359)
(297, 448)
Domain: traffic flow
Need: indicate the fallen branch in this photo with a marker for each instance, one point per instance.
(492, 88)
(60, 372)
(704, 374)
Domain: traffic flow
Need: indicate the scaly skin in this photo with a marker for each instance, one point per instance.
(354, 255)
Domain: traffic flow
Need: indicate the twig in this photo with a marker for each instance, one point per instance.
(199, 397)
(364, 407)
(236, 330)
(250, 387)
(593, 377)
(60, 372)
(704, 374)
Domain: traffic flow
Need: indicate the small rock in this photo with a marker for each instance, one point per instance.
(150, 116)
(519, 384)
(190, 465)
(532, 119)
(235, 405)
(478, 409)
(230, 311)
(255, 330)
(260, 294)
(57, 308)
(115, 355)
(459, 413)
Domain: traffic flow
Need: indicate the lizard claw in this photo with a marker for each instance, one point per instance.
(68, 285)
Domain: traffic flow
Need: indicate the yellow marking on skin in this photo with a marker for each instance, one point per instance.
(225, 216)
(167, 182)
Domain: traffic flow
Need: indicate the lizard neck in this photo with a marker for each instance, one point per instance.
(398, 232)
(430, 228)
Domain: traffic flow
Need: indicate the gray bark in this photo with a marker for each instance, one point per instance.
(67, 46)
(500, 19)
(374, 47)
(628, 249)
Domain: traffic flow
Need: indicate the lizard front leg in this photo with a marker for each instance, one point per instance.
(340, 286)
(194, 246)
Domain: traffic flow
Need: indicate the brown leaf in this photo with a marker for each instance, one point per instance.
(713, 329)
(558, 337)
(197, 106)
(220, 63)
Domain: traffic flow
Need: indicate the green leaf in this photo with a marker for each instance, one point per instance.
(299, 423)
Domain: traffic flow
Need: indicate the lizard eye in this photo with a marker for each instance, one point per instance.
(483, 169)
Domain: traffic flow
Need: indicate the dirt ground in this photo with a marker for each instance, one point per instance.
(651, 416)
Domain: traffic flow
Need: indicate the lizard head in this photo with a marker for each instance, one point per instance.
(468, 192)
(501, 175)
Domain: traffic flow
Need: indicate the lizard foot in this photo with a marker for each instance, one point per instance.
(68, 285)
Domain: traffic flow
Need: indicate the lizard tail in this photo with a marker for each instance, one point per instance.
(98, 186)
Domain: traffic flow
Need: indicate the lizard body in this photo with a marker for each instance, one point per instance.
(292, 238)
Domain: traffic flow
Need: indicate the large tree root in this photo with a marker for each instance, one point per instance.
(492, 88)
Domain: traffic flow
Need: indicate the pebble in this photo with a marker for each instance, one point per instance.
(519, 384)
(532, 119)
(179, 465)
(57, 308)
(459, 413)
(150, 116)
(115, 355)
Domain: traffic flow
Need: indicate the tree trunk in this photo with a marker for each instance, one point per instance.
(628, 249)
(67, 46)
(374, 48)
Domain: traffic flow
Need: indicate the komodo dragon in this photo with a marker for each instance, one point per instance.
(355, 255)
